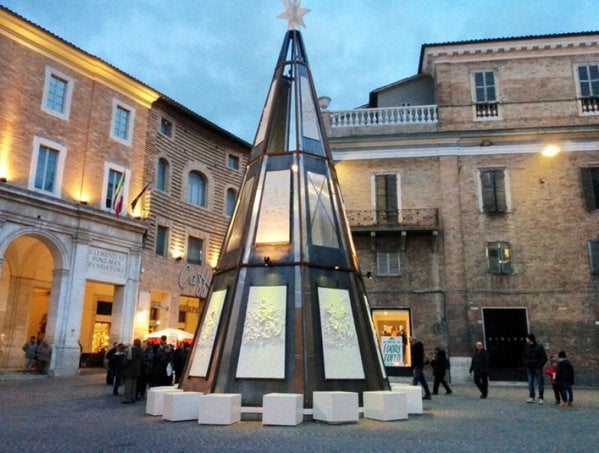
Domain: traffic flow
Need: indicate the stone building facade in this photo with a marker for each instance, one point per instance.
(466, 228)
(79, 202)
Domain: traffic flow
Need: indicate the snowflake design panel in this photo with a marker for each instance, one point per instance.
(341, 351)
(262, 352)
(205, 342)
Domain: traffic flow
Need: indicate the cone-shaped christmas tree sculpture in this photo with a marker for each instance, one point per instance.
(287, 311)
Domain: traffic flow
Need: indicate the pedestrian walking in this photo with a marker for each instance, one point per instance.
(480, 367)
(417, 355)
(440, 365)
(534, 359)
(564, 377)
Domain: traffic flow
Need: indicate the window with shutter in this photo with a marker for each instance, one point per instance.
(590, 187)
(386, 199)
(594, 256)
(493, 191)
(499, 258)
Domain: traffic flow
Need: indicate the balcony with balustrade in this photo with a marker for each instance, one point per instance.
(417, 118)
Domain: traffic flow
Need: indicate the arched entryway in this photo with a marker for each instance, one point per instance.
(28, 264)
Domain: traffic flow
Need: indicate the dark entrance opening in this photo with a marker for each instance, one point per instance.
(505, 333)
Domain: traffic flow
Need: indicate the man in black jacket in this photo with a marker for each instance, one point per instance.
(417, 352)
(534, 359)
(480, 366)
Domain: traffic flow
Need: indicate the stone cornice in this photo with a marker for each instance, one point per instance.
(404, 152)
(51, 46)
(585, 44)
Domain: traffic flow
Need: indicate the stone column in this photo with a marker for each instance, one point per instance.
(66, 312)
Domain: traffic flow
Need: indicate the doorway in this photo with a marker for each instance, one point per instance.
(505, 332)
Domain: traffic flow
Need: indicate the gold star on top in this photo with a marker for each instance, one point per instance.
(294, 14)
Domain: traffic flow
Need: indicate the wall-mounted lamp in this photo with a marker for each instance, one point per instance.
(3, 179)
(369, 275)
(267, 261)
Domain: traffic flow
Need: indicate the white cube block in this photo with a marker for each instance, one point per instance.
(179, 406)
(219, 409)
(336, 407)
(154, 399)
(385, 405)
(414, 393)
(282, 409)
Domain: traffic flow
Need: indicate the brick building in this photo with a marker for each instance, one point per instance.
(465, 223)
(80, 141)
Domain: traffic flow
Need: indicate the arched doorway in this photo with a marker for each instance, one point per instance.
(25, 296)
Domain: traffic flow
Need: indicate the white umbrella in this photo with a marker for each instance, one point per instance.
(172, 335)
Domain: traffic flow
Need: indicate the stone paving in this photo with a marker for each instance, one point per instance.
(80, 414)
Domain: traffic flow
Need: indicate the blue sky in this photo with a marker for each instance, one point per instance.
(217, 57)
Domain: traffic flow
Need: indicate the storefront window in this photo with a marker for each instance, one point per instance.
(393, 333)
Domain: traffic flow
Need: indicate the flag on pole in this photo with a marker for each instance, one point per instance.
(118, 198)
(137, 198)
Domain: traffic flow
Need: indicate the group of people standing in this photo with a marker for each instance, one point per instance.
(561, 371)
(37, 355)
(143, 365)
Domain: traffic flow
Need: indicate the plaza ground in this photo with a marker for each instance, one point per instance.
(80, 414)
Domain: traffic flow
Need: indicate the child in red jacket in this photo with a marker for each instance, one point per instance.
(551, 373)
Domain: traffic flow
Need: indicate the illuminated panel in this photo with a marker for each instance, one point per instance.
(273, 226)
(341, 351)
(262, 352)
(205, 342)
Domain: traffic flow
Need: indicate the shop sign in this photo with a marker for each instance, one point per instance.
(198, 277)
(392, 350)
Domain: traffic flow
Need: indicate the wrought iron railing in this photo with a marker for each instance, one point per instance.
(426, 218)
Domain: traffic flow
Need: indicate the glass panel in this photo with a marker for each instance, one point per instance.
(162, 175)
(161, 238)
(322, 221)
(196, 190)
(121, 123)
(230, 207)
(583, 73)
(478, 79)
(195, 250)
(393, 331)
(56, 94)
(594, 70)
(490, 94)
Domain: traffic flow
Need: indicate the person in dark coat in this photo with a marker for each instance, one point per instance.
(564, 377)
(534, 359)
(179, 358)
(108, 360)
(417, 353)
(162, 359)
(440, 365)
(117, 363)
(132, 370)
(480, 367)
